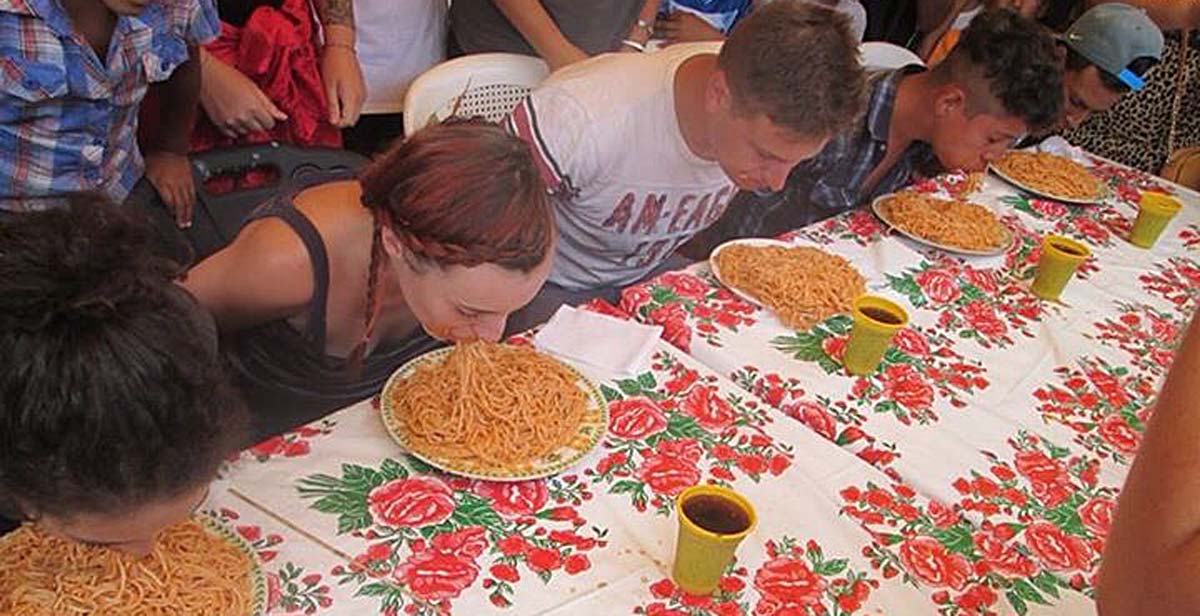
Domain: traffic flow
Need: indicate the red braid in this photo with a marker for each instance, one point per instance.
(371, 311)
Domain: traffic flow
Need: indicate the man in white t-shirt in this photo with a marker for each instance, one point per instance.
(642, 151)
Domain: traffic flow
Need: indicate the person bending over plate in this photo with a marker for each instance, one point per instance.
(642, 151)
(115, 412)
(332, 286)
(1003, 80)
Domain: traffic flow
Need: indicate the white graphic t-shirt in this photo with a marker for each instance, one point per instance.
(627, 189)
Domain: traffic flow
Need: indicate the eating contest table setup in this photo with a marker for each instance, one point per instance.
(975, 471)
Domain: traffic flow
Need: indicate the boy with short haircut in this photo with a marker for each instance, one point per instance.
(642, 151)
(1002, 81)
(74, 73)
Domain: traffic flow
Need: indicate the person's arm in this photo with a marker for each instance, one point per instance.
(642, 28)
(1152, 558)
(167, 166)
(535, 24)
(1168, 14)
(340, 72)
(263, 275)
(232, 102)
(685, 27)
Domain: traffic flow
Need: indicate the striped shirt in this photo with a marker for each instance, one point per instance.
(68, 118)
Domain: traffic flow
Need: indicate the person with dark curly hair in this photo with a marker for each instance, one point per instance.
(115, 412)
(1002, 81)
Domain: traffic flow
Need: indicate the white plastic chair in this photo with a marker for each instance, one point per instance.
(880, 55)
(489, 84)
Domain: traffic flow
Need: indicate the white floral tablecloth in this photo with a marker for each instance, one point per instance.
(975, 473)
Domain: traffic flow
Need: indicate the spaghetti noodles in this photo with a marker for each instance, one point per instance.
(488, 405)
(1051, 175)
(801, 285)
(952, 223)
(190, 571)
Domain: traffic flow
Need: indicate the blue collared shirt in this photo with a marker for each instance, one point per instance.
(68, 118)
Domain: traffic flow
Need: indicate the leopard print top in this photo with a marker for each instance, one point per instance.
(1136, 130)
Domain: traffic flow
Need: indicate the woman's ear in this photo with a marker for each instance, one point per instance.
(392, 245)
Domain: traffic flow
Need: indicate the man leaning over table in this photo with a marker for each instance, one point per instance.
(1109, 50)
(1002, 81)
(642, 151)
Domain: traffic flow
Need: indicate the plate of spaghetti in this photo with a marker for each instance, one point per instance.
(800, 284)
(196, 567)
(1051, 176)
(951, 225)
(493, 411)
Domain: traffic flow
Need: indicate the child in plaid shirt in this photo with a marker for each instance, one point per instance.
(72, 76)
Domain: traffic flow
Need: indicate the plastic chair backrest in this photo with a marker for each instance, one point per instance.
(285, 163)
(880, 55)
(488, 84)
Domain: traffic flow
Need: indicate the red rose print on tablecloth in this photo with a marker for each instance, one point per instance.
(1106, 405)
(686, 305)
(291, 589)
(670, 428)
(1128, 184)
(839, 422)
(445, 567)
(919, 369)
(928, 560)
(417, 501)
(635, 418)
(1100, 225)
(1020, 532)
(705, 404)
(859, 226)
(293, 444)
(1190, 236)
(1149, 336)
(428, 537)
(514, 498)
(1177, 281)
(671, 467)
(796, 578)
(974, 304)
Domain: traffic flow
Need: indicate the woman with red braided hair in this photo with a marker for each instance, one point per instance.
(329, 288)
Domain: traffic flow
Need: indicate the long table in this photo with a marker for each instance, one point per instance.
(975, 472)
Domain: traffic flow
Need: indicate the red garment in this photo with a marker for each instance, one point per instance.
(276, 49)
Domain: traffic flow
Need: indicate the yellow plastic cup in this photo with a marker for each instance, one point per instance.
(1155, 211)
(876, 320)
(702, 555)
(1060, 257)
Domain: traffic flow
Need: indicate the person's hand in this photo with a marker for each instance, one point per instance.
(171, 176)
(232, 102)
(564, 55)
(684, 27)
(344, 86)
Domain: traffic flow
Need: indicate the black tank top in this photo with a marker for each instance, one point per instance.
(285, 375)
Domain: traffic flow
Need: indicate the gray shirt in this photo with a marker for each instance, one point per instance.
(595, 26)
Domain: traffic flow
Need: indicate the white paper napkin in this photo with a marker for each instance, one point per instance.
(598, 340)
(1062, 147)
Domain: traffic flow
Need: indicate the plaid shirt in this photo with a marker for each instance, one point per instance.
(831, 182)
(68, 121)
